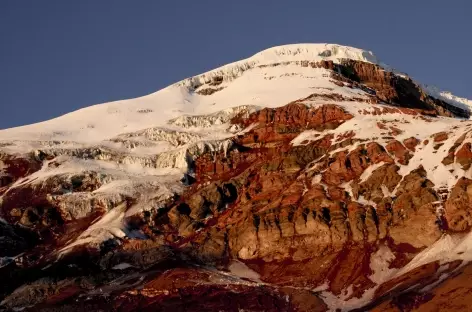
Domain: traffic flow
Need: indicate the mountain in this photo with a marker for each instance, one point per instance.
(308, 177)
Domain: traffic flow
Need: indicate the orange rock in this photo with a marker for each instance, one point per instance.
(401, 153)
(440, 137)
(464, 156)
(411, 143)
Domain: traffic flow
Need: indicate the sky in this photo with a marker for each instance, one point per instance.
(57, 56)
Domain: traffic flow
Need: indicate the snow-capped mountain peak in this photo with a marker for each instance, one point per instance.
(241, 83)
(313, 169)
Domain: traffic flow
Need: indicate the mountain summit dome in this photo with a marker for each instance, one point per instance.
(271, 77)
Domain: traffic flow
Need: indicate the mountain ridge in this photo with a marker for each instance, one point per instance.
(271, 56)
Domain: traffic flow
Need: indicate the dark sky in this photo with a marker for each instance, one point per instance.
(57, 56)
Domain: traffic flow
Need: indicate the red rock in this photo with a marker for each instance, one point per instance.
(440, 137)
(395, 131)
(459, 206)
(401, 153)
(382, 126)
(464, 156)
(377, 153)
(411, 143)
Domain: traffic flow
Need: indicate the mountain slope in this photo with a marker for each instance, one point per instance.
(307, 177)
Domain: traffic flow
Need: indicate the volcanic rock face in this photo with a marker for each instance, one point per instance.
(306, 178)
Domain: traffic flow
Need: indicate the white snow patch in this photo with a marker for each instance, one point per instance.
(369, 170)
(448, 248)
(110, 226)
(241, 270)
(308, 135)
(379, 264)
(365, 202)
(122, 266)
(448, 97)
(427, 155)
(316, 179)
(322, 287)
(342, 303)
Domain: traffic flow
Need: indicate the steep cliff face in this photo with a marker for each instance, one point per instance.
(306, 178)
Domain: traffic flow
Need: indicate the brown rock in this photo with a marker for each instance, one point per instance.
(411, 143)
(459, 206)
(381, 182)
(440, 137)
(377, 153)
(464, 156)
(401, 153)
